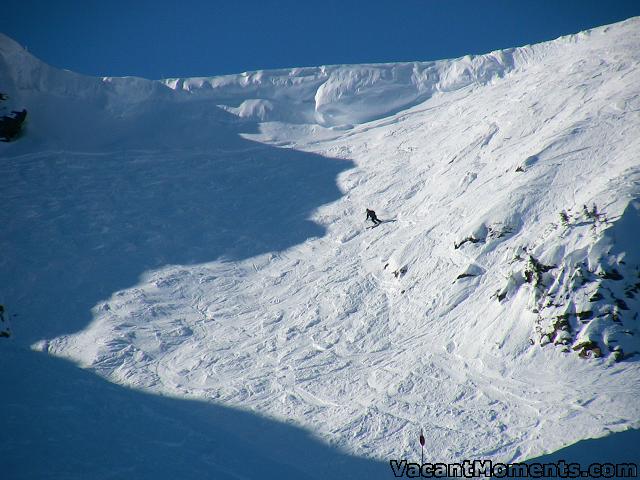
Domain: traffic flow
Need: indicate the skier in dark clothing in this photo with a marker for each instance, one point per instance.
(372, 215)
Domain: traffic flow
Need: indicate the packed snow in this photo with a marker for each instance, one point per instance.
(204, 240)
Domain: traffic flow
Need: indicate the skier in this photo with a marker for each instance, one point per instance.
(372, 215)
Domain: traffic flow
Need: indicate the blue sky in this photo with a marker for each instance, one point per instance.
(155, 39)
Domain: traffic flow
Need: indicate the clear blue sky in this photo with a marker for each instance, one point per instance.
(159, 38)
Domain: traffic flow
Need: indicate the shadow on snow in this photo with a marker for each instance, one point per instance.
(78, 227)
(615, 448)
(60, 421)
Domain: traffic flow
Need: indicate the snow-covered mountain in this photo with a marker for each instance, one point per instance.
(205, 239)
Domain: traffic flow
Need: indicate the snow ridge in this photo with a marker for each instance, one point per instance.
(343, 95)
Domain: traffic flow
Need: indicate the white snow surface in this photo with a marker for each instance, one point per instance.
(205, 238)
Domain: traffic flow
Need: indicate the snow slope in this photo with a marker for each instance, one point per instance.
(204, 239)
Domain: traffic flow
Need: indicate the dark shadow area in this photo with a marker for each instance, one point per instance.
(616, 448)
(178, 184)
(62, 422)
(95, 196)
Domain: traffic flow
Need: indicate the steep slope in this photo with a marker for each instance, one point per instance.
(466, 314)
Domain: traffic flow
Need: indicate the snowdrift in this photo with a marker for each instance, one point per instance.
(346, 95)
